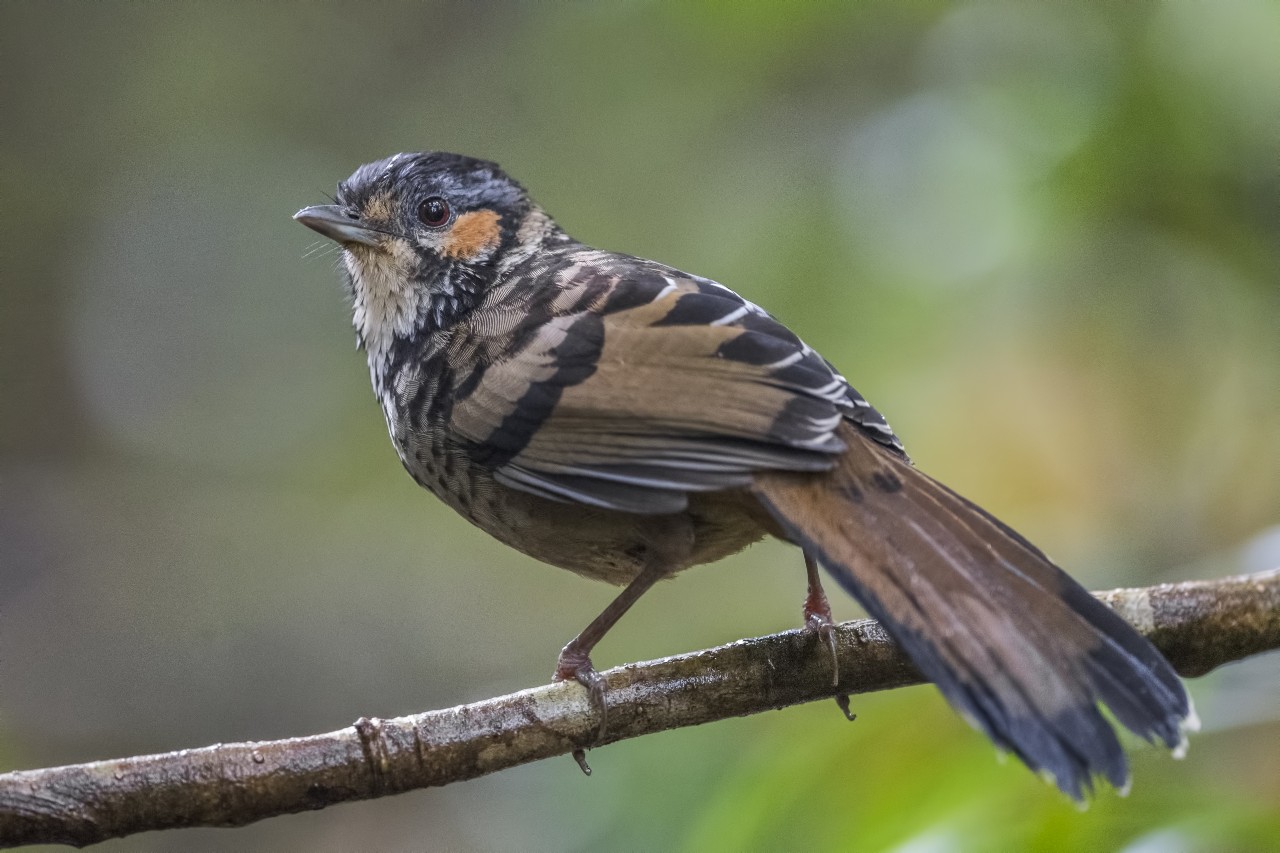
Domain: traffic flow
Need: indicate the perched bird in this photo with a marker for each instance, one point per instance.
(625, 420)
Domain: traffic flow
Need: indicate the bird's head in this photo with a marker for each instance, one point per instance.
(422, 236)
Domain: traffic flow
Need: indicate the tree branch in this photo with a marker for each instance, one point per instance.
(1198, 625)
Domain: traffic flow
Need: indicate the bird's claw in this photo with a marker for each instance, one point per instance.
(574, 665)
(826, 631)
(817, 618)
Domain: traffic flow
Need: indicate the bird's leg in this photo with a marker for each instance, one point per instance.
(817, 618)
(575, 659)
(817, 614)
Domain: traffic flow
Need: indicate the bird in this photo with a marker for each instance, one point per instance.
(622, 419)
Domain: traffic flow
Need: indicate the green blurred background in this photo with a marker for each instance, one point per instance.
(1044, 239)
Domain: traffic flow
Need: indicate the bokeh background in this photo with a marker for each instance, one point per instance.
(1044, 239)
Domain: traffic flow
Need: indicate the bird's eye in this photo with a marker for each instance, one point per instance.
(433, 212)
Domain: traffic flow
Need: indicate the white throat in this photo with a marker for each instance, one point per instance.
(385, 299)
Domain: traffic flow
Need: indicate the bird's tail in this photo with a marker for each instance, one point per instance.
(1020, 649)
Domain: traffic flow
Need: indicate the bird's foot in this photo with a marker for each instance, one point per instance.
(817, 618)
(575, 665)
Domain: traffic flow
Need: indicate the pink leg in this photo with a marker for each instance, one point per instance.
(817, 618)
(575, 659)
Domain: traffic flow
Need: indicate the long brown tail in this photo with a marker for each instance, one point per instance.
(1020, 649)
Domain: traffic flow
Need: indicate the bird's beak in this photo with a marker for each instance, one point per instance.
(338, 223)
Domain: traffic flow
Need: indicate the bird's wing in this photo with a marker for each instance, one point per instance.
(621, 383)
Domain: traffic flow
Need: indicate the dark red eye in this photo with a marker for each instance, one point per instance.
(433, 212)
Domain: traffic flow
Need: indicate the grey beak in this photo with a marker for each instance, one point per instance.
(338, 223)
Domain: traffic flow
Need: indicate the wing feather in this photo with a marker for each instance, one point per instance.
(630, 389)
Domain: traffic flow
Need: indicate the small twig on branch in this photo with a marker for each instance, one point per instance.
(1199, 625)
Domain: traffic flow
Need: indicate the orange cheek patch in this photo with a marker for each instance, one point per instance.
(472, 234)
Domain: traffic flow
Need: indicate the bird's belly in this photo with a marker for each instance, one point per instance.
(602, 544)
(609, 545)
